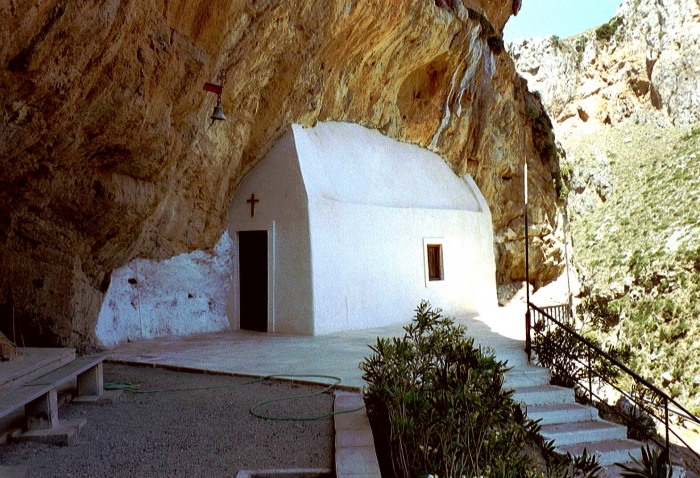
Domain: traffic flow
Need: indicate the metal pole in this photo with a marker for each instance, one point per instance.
(527, 243)
(666, 422)
(590, 377)
(528, 342)
(566, 255)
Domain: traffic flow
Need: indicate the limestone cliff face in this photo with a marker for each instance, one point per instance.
(107, 152)
(647, 72)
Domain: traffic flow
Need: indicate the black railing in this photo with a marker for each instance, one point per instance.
(575, 361)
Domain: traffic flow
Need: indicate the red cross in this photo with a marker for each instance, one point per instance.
(252, 202)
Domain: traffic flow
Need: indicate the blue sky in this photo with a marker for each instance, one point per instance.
(558, 17)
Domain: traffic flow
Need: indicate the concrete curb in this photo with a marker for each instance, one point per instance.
(274, 377)
(285, 473)
(355, 456)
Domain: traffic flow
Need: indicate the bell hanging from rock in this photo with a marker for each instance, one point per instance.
(218, 111)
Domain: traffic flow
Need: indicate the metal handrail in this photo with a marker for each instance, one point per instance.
(590, 346)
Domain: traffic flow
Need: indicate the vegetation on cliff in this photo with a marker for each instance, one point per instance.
(638, 251)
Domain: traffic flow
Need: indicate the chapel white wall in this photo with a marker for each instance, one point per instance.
(369, 264)
(283, 212)
(373, 202)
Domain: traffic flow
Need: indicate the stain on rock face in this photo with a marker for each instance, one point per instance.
(107, 151)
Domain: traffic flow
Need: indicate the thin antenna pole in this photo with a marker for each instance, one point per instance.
(528, 343)
(566, 253)
(527, 241)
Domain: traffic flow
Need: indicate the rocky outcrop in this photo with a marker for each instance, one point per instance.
(8, 351)
(107, 152)
(645, 68)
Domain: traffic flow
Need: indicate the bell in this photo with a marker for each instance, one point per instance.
(218, 112)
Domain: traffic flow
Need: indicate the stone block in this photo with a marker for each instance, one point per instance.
(61, 435)
(354, 438)
(351, 421)
(91, 381)
(358, 475)
(348, 401)
(356, 461)
(42, 413)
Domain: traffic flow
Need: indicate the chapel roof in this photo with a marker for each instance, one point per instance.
(350, 163)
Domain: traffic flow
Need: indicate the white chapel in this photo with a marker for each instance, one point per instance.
(342, 228)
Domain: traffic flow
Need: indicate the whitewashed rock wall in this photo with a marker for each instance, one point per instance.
(179, 296)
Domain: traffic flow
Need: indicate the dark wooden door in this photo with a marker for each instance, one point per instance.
(252, 253)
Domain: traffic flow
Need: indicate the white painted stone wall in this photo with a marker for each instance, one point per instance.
(348, 211)
(374, 205)
(283, 213)
(369, 266)
(179, 296)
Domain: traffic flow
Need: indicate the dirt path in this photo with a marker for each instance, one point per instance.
(205, 433)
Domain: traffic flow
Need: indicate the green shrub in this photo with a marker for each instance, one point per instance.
(581, 43)
(640, 424)
(602, 314)
(654, 464)
(606, 31)
(567, 358)
(555, 41)
(443, 403)
(580, 48)
(559, 183)
(565, 170)
(692, 134)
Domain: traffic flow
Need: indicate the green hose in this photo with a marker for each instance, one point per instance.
(135, 388)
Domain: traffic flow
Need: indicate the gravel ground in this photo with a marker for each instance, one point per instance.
(205, 433)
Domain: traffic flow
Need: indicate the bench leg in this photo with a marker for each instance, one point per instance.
(42, 413)
(91, 382)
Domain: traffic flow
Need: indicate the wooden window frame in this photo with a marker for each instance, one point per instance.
(434, 253)
(434, 273)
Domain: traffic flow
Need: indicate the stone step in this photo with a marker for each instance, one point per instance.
(556, 413)
(610, 451)
(526, 376)
(583, 432)
(543, 395)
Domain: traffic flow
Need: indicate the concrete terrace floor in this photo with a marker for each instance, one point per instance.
(338, 354)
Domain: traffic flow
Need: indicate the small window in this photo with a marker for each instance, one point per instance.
(435, 262)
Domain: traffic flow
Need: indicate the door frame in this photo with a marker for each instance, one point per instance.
(270, 276)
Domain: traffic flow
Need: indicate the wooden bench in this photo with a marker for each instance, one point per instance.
(40, 396)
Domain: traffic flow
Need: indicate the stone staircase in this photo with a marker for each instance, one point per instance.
(572, 426)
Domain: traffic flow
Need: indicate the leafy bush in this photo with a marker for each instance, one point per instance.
(602, 314)
(581, 43)
(640, 425)
(580, 48)
(606, 31)
(443, 403)
(555, 41)
(692, 134)
(567, 357)
(654, 464)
